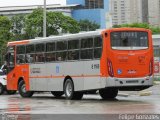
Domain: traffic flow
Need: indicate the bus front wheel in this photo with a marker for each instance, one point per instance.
(22, 90)
(69, 91)
(108, 93)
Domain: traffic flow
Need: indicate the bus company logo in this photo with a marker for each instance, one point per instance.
(132, 71)
(119, 71)
(141, 59)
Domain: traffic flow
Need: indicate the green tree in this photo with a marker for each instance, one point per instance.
(86, 25)
(5, 26)
(56, 23)
(155, 30)
(18, 32)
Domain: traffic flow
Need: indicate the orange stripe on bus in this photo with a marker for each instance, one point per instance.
(18, 42)
(64, 76)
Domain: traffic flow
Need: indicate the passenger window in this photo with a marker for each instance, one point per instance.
(20, 49)
(73, 55)
(97, 47)
(30, 58)
(87, 43)
(61, 56)
(50, 57)
(87, 54)
(73, 44)
(97, 42)
(62, 45)
(97, 52)
(39, 58)
(21, 59)
(30, 49)
(40, 48)
(50, 47)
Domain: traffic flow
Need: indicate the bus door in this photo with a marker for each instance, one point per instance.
(10, 59)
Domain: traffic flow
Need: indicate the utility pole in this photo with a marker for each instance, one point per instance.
(44, 19)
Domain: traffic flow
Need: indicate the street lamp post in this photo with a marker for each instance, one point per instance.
(44, 19)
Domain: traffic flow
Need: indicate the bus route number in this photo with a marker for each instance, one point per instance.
(95, 66)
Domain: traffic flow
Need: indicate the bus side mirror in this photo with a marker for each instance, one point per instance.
(106, 34)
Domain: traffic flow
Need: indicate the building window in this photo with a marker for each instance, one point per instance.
(93, 4)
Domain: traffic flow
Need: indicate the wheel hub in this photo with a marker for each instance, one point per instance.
(23, 88)
(68, 89)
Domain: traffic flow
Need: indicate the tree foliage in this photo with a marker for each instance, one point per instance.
(56, 23)
(17, 29)
(5, 26)
(155, 30)
(86, 25)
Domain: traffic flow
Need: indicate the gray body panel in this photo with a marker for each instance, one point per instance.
(50, 76)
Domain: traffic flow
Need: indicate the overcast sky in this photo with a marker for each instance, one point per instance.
(29, 2)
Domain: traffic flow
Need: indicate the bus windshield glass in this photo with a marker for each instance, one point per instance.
(129, 40)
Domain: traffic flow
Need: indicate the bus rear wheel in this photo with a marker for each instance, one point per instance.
(22, 90)
(108, 93)
(1, 89)
(69, 92)
(57, 93)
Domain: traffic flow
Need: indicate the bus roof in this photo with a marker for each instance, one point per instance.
(57, 38)
(70, 36)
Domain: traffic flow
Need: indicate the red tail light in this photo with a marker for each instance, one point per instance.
(110, 68)
(151, 67)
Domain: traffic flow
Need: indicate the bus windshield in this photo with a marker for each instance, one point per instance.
(129, 40)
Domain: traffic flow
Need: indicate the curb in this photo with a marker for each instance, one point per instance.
(156, 82)
(145, 93)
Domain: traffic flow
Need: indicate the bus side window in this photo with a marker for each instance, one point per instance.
(39, 57)
(20, 54)
(30, 58)
(73, 55)
(30, 54)
(61, 48)
(87, 48)
(97, 47)
(61, 56)
(73, 50)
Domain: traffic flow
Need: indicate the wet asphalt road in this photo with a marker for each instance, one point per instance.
(45, 103)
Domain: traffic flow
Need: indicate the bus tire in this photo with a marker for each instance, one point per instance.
(69, 92)
(22, 90)
(1, 89)
(57, 93)
(11, 92)
(108, 93)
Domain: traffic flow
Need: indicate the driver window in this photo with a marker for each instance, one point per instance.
(10, 58)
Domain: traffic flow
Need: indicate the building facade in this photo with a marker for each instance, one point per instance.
(16, 10)
(128, 11)
(131, 11)
(154, 12)
(94, 10)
